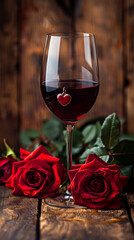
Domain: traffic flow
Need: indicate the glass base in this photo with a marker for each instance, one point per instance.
(62, 201)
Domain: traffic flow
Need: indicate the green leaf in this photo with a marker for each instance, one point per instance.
(89, 133)
(36, 145)
(99, 151)
(110, 131)
(76, 150)
(77, 138)
(98, 129)
(99, 142)
(59, 146)
(126, 136)
(9, 150)
(27, 136)
(52, 128)
(124, 152)
(84, 155)
(126, 170)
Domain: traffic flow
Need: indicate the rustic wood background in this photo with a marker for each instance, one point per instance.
(26, 218)
(23, 27)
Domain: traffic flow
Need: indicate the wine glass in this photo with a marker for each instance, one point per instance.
(69, 85)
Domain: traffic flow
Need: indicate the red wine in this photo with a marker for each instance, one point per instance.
(69, 100)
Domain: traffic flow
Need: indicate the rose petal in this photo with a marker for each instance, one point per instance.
(83, 176)
(4, 161)
(123, 182)
(103, 192)
(93, 165)
(8, 183)
(40, 150)
(15, 183)
(61, 171)
(24, 153)
(7, 160)
(48, 158)
(77, 166)
(31, 190)
(17, 165)
(38, 175)
(35, 178)
(114, 167)
(6, 164)
(114, 203)
(37, 165)
(72, 173)
(91, 157)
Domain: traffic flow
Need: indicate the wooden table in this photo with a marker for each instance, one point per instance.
(30, 218)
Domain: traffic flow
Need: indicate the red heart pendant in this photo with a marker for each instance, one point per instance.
(64, 99)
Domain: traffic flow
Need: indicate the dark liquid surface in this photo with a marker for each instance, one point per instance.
(81, 93)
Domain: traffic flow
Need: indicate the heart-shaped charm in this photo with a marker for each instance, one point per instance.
(64, 99)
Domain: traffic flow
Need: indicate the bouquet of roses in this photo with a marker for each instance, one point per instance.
(95, 183)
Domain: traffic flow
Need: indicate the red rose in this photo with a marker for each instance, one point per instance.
(39, 174)
(96, 184)
(6, 164)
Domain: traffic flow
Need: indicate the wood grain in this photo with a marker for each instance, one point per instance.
(83, 224)
(104, 19)
(9, 124)
(24, 25)
(18, 216)
(18, 220)
(38, 18)
(129, 61)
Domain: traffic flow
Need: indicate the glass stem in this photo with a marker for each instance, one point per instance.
(69, 148)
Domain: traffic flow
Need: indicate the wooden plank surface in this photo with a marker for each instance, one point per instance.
(83, 224)
(24, 25)
(104, 19)
(37, 18)
(18, 216)
(9, 122)
(129, 61)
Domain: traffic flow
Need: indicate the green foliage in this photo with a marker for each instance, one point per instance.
(113, 148)
(124, 152)
(52, 128)
(89, 133)
(28, 136)
(100, 151)
(110, 131)
(126, 170)
(100, 137)
(126, 136)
